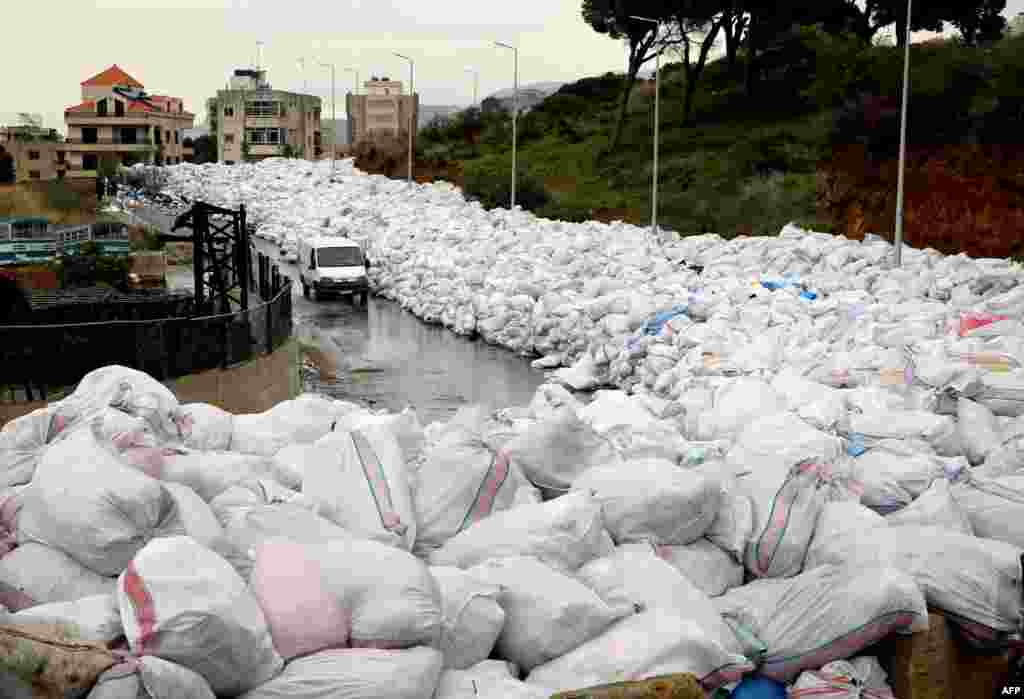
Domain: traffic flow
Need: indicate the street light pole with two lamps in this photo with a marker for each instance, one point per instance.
(515, 113)
(412, 107)
(657, 99)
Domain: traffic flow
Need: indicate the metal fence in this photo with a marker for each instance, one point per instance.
(37, 358)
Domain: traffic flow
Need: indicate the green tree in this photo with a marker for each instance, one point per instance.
(613, 17)
(205, 149)
(982, 22)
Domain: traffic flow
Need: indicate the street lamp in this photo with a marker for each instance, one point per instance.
(476, 82)
(334, 118)
(412, 105)
(302, 69)
(903, 145)
(657, 99)
(515, 112)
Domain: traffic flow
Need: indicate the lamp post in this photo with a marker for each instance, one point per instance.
(302, 69)
(356, 71)
(476, 82)
(515, 112)
(903, 145)
(657, 100)
(412, 108)
(334, 118)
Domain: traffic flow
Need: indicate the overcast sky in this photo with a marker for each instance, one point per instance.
(188, 48)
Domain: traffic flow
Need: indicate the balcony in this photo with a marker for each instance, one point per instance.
(264, 149)
(109, 144)
(127, 119)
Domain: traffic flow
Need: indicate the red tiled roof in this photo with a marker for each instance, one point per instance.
(136, 106)
(113, 76)
(88, 106)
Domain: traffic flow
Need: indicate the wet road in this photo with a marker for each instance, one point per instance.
(385, 357)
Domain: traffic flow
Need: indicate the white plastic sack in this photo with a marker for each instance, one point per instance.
(858, 678)
(93, 618)
(786, 503)
(547, 613)
(639, 647)
(393, 599)
(210, 473)
(994, 507)
(736, 404)
(893, 474)
(357, 673)
(473, 617)
(184, 603)
(635, 575)
(825, 614)
(653, 500)
(360, 480)
(206, 427)
(842, 517)
(288, 465)
(549, 398)
(192, 517)
(734, 523)
(46, 574)
(490, 679)
(781, 440)
(936, 507)
(150, 677)
(975, 579)
(304, 420)
(22, 441)
(129, 391)
(979, 431)
(552, 453)
(564, 533)
(86, 503)
(461, 481)
(710, 568)
(404, 426)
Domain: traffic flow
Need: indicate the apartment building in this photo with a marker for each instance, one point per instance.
(273, 122)
(381, 113)
(118, 117)
(34, 153)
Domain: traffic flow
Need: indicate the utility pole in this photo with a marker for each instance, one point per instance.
(334, 119)
(903, 145)
(657, 99)
(515, 112)
(412, 109)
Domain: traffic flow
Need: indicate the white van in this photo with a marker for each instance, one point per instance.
(332, 265)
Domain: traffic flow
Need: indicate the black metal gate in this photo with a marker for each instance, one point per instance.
(222, 257)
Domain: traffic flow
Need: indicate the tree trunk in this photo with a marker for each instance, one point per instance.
(620, 121)
(751, 69)
(694, 72)
(733, 27)
(901, 29)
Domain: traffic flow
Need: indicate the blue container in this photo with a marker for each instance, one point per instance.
(757, 687)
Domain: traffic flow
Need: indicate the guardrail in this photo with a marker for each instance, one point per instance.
(43, 356)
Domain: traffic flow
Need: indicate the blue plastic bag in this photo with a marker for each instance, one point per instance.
(757, 687)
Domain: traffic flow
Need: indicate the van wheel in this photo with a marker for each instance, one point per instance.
(305, 290)
(362, 299)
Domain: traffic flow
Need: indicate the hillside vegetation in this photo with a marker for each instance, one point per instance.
(746, 162)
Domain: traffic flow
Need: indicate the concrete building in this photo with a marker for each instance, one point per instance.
(382, 113)
(118, 117)
(275, 122)
(36, 154)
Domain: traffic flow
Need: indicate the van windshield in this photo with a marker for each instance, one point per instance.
(339, 257)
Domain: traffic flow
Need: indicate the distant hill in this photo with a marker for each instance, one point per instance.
(529, 95)
(428, 112)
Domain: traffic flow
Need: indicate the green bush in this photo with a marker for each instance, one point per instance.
(150, 241)
(561, 210)
(490, 183)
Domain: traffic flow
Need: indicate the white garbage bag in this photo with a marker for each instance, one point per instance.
(710, 568)
(150, 677)
(405, 426)
(460, 481)
(564, 533)
(858, 678)
(839, 518)
(554, 452)
(390, 595)
(977, 580)
(192, 517)
(894, 473)
(994, 507)
(551, 397)
(210, 473)
(936, 507)
(22, 442)
(639, 647)
(304, 420)
(93, 618)
(490, 679)
(129, 391)
(787, 503)
(302, 614)
(45, 574)
(736, 404)
(86, 503)
(360, 481)
(288, 465)
(634, 574)
(734, 524)
(781, 440)
(206, 427)
(473, 617)
(356, 673)
(184, 603)
(653, 500)
(979, 431)
(825, 614)
(547, 613)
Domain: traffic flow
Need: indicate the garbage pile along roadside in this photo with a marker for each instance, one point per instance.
(799, 450)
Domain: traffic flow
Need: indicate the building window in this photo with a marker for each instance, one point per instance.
(118, 108)
(89, 161)
(176, 138)
(265, 137)
(229, 138)
(33, 174)
(229, 111)
(33, 155)
(101, 108)
(60, 156)
(263, 109)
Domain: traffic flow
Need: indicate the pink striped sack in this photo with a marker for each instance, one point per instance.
(359, 479)
(182, 602)
(859, 678)
(459, 482)
(829, 613)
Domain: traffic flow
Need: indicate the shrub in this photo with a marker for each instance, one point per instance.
(489, 182)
